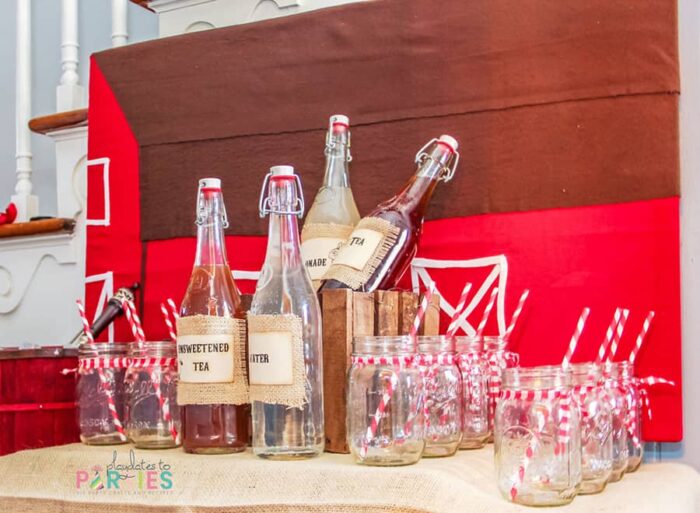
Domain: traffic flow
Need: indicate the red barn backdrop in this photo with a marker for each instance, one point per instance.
(567, 115)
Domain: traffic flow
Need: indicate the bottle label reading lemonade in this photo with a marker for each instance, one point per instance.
(320, 243)
(363, 251)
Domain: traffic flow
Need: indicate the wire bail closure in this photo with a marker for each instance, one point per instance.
(446, 172)
(201, 212)
(331, 144)
(264, 207)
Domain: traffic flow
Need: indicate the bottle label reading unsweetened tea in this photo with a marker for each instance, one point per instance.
(363, 252)
(320, 244)
(276, 359)
(211, 360)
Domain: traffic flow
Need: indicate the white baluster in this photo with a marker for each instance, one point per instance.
(27, 203)
(120, 35)
(70, 95)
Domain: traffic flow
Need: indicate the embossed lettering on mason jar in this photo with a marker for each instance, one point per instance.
(442, 401)
(150, 388)
(385, 416)
(537, 437)
(100, 387)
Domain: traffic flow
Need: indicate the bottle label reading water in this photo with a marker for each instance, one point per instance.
(276, 359)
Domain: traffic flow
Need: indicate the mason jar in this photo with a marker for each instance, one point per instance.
(617, 396)
(635, 445)
(385, 417)
(100, 393)
(497, 358)
(475, 400)
(150, 384)
(596, 427)
(442, 402)
(537, 437)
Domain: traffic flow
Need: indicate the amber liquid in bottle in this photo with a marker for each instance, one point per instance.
(406, 211)
(213, 428)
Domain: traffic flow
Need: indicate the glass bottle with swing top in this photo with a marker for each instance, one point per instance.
(284, 334)
(333, 214)
(378, 252)
(209, 337)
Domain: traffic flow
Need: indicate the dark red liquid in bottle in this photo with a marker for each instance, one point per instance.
(406, 211)
(213, 428)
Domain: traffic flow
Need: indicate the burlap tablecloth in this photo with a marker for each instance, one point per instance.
(45, 481)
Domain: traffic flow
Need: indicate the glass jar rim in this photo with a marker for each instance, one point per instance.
(384, 345)
(621, 369)
(538, 378)
(154, 348)
(89, 350)
(432, 344)
(469, 344)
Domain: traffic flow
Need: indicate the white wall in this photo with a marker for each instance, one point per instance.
(689, 41)
(95, 34)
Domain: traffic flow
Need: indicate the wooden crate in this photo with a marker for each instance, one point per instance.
(347, 314)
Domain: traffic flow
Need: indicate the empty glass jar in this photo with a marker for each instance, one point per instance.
(596, 427)
(635, 445)
(614, 373)
(100, 393)
(498, 358)
(153, 416)
(475, 400)
(385, 417)
(537, 437)
(442, 402)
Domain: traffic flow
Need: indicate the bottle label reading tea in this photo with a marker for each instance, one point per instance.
(363, 252)
(320, 244)
(276, 359)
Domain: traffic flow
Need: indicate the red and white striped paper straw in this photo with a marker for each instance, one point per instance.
(619, 330)
(422, 309)
(134, 322)
(86, 323)
(377, 417)
(454, 322)
(106, 385)
(163, 402)
(580, 324)
(641, 337)
(516, 314)
(487, 312)
(168, 322)
(140, 337)
(173, 308)
(603, 349)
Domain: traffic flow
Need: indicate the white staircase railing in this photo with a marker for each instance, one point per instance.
(26, 202)
(70, 95)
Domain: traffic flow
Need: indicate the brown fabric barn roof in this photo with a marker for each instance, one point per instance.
(556, 103)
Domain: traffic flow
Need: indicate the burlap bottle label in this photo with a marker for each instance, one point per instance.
(363, 252)
(211, 360)
(276, 359)
(320, 243)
